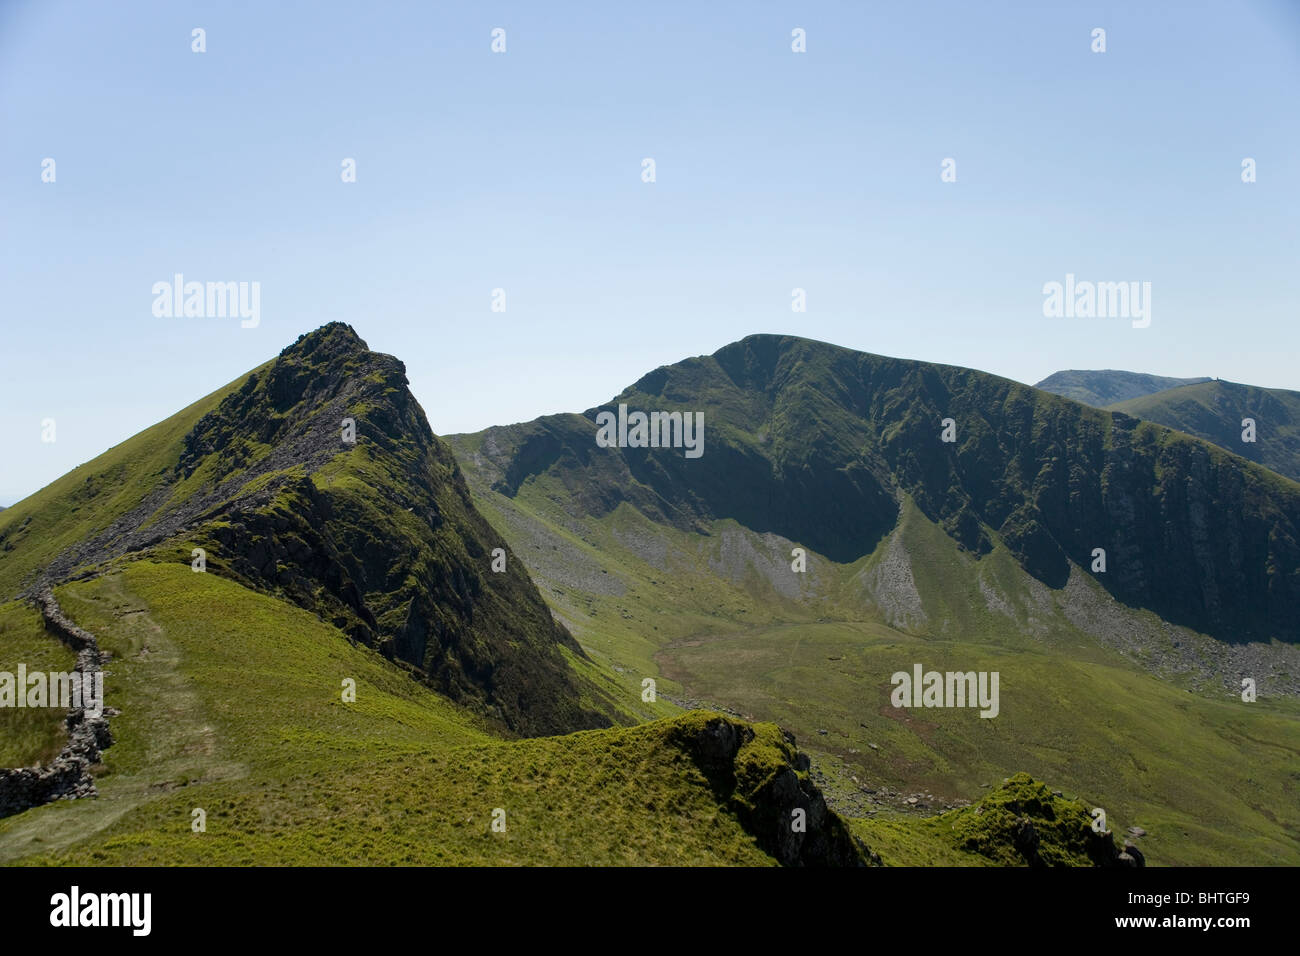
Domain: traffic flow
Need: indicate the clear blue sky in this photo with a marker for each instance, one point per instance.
(522, 171)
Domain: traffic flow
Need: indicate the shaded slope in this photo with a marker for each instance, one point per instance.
(814, 443)
(378, 536)
(1104, 387)
(1215, 410)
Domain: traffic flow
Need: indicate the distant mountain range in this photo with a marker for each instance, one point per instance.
(1107, 386)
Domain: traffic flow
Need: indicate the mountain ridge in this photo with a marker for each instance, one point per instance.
(329, 551)
(815, 442)
(378, 536)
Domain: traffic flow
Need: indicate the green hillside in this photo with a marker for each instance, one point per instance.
(681, 570)
(1215, 411)
(231, 703)
(89, 502)
(815, 443)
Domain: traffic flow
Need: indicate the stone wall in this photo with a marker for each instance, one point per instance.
(68, 775)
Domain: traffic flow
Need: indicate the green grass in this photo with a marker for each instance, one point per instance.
(29, 736)
(231, 702)
(1211, 779)
(1223, 787)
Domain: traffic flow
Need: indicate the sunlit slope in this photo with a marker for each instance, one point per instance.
(1102, 387)
(231, 705)
(231, 702)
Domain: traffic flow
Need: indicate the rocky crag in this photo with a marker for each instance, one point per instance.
(318, 479)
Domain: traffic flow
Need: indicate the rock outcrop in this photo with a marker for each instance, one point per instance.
(762, 778)
(1023, 823)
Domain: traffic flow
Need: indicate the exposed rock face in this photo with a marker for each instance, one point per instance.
(891, 586)
(381, 537)
(766, 789)
(68, 776)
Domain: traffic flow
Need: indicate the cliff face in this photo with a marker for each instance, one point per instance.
(816, 443)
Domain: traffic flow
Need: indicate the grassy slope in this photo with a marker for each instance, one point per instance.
(1211, 779)
(1214, 411)
(88, 498)
(30, 736)
(231, 702)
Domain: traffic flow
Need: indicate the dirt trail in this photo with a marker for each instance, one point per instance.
(165, 737)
